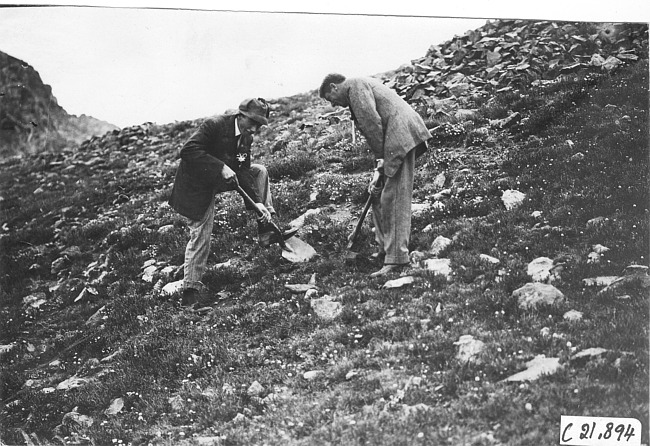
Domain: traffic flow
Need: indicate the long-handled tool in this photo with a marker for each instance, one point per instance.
(252, 204)
(350, 255)
(293, 249)
(355, 234)
(352, 238)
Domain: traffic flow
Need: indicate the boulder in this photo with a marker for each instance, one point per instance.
(539, 269)
(326, 308)
(469, 348)
(512, 198)
(438, 266)
(439, 245)
(534, 294)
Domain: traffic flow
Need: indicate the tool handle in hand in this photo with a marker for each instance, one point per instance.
(248, 200)
(357, 229)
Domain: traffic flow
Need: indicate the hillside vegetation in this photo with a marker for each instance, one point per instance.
(536, 185)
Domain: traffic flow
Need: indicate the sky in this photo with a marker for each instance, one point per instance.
(154, 62)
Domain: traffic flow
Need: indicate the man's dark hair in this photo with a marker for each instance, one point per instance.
(332, 78)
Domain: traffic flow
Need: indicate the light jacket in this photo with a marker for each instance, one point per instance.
(389, 124)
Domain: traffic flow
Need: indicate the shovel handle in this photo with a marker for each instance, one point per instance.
(357, 229)
(250, 202)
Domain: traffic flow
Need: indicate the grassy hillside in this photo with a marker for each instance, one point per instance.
(93, 353)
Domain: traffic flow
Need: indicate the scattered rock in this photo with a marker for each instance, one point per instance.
(534, 294)
(97, 317)
(112, 356)
(439, 266)
(445, 193)
(419, 208)
(73, 422)
(572, 316)
(469, 348)
(311, 293)
(489, 259)
(4, 349)
(600, 281)
(536, 368)
(633, 270)
(351, 374)
(439, 245)
(115, 407)
(596, 222)
(637, 282)
(439, 181)
(587, 355)
(416, 257)
(58, 265)
(326, 308)
(539, 269)
(85, 294)
(398, 283)
(255, 389)
(506, 122)
(166, 229)
(300, 288)
(239, 418)
(300, 221)
(72, 252)
(597, 253)
(600, 249)
(172, 287)
(149, 272)
(312, 374)
(73, 382)
(35, 300)
(512, 198)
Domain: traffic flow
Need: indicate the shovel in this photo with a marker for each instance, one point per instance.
(293, 249)
(352, 239)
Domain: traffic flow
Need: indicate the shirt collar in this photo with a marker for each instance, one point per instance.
(237, 131)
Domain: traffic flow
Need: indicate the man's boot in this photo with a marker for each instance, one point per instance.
(268, 236)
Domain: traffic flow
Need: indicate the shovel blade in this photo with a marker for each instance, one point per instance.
(298, 251)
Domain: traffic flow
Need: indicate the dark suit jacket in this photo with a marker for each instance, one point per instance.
(203, 156)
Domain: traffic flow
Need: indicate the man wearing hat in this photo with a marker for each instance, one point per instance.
(215, 159)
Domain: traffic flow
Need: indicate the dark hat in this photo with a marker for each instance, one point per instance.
(256, 109)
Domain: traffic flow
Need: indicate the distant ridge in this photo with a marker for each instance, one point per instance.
(31, 119)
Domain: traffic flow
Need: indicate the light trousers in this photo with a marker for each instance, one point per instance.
(391, 214)
(198, 248)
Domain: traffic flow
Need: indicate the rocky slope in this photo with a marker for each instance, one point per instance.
(31, 120)
(93, 351)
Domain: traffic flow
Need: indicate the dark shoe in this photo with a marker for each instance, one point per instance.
(190, 297)
(268, 235)
(378, 256)
(387, 269)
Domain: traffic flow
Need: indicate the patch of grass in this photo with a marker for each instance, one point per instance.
(294, 166)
